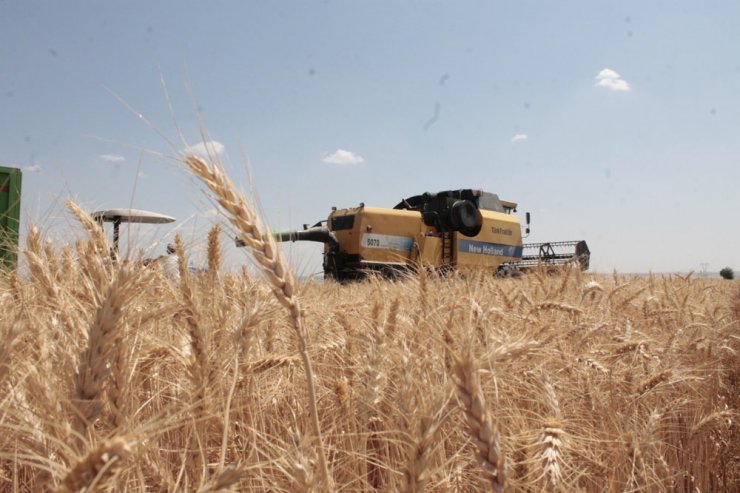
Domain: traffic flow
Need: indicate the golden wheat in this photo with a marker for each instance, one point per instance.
(115, 377)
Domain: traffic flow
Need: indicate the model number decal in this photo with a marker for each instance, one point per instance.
(388, 242)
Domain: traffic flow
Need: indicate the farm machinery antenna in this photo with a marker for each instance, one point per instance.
(454, 229)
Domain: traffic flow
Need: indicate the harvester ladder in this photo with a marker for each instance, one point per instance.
(447, 247)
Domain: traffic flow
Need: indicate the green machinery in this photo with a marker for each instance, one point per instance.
(10, 215)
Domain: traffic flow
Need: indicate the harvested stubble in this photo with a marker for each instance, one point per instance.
(640, 377)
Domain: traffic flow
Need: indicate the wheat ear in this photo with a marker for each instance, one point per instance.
(38, 268)
(274, 268)
(51, 259)
(98, 247)
(480, 426)
(269, 362)
(552, 439)
(93, 364)
(417, 472)
(199, 364)
(552, 433)
(98, 465)
(9, 338)
(225, 480)
(94, 229)
(214, 251)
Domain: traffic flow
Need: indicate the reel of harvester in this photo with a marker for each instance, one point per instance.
(555, 253)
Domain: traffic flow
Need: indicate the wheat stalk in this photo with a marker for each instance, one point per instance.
(417, 471)
(214, 251)
(269, 362)
(98, 248)
(199, 366)
(652, 382)
(480, 425)
(416, 474)
(551, 454)
(37, 267)
(119, 395)
(51, 259)
(591, 363)
(729, 416)
(93, 229)
(93, 364)
(9, 337)
(69, 266)
(273, 267)
(605, 435)
(563, 307)
(552, 438)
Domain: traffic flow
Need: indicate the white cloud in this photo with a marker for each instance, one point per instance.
(211, 212)
(611, 80)
(340, 156)
(518, 137)
(34, 168)
(203, 149)
(112, 158)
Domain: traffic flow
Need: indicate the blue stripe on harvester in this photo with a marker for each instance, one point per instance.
(485, 248)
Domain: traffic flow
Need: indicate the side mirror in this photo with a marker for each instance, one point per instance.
(528, 217)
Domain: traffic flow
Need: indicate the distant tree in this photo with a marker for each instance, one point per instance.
(727, 273)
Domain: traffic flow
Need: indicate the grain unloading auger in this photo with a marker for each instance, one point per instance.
(455, 229)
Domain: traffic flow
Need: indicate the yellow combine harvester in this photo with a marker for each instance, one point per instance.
(455, 229)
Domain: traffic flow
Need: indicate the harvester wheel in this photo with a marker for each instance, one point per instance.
(508, 271)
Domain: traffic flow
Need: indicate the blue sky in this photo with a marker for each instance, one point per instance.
(613, 122)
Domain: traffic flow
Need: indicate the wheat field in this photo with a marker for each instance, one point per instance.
(115, 378)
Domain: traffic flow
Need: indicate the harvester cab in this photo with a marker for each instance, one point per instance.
(454, 229)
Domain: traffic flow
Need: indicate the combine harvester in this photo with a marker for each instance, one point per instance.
(452, 230)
